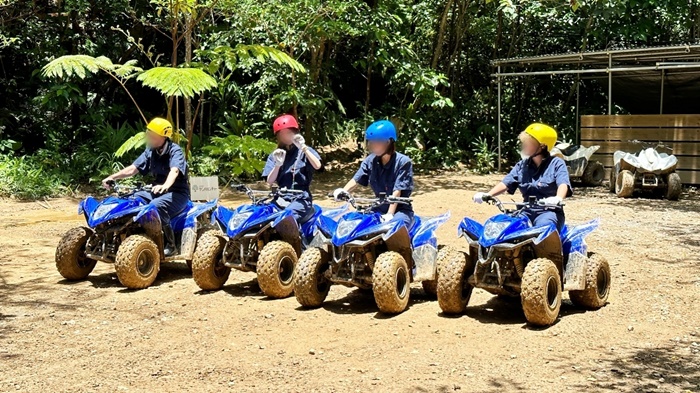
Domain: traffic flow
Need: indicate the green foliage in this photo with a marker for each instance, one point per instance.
(237, 155)
(177, 82)
(30, 177)
(484, 158)
(82, 65)
(230, 58)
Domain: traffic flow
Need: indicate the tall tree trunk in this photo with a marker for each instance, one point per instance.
(441, 34)
(189, 124)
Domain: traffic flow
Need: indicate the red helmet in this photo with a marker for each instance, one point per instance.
(284, 122)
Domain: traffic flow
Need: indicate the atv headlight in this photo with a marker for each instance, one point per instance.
(493, 229)
(239, 219)
(346, 227)
(103, 210)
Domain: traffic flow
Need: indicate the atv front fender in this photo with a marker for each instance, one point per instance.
(398, 241)
(288, 229)
(149, 220)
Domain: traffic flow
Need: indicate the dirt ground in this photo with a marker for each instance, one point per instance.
(95, 336)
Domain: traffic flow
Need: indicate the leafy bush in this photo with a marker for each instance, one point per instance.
(234, 156)
(29, 177)
(483, 156)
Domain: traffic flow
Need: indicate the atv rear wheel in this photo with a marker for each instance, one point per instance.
(541, 292)
(674, 187)
(311, 286)
(624, 184)
(594, 174)
(208, 269)
(138, 262)
(597, 289)
(454, 291)
(71, 261)
(276, 265)
(391, 283)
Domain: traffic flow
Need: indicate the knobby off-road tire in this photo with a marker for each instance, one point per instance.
(276, 265)
(138, 262)
(674, 187)
(541, 292)
(597, 289)
(391, 283)
(453, 291)
(71, 261)
(594, 174)
(624, 184)
(208, 269)
(613, 180)
(310, 285)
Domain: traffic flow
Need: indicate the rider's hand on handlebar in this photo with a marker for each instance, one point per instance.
(159, 189)
(279, 156)
(107, 182)
(555, 200)
(479, 197)
(340, 194)
(387, 217)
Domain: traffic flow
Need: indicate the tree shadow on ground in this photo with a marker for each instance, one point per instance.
(361, 301)
(169, 272)
(673, 367)
(688, 201)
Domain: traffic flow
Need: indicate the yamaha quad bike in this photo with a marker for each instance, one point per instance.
(126, 230)
(579, 164)
(362, 251)
(647, 171)
(260, 237)
(510, 257)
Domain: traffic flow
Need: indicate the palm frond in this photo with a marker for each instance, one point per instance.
(82, 65)
(230, 57)
(135, 142)
(179, 82)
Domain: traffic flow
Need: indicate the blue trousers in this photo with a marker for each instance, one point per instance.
(541, 218)
(169, 204)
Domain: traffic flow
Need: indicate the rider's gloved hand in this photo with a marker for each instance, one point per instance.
(555, 200)
(387, 217)
(479, 197)
(339, 193)
(279, 156)
(299, 141)
(106, 181)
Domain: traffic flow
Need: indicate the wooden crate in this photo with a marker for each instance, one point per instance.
(613, 133)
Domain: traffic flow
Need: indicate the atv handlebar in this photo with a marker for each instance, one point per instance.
(367, 204)
(260, 196)
(127, 190)
(532, 202)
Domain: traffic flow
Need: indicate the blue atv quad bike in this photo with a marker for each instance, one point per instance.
(509, 257)
(362, 251)
(260, 237)
(126, 230)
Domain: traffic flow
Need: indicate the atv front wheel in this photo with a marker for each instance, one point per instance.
(594, 174)
(138, 262)
(71, 261)
(311, 286)
(276, 265)
(674, 187)
(624, 184)
(208, 269)
(391, 283)
(541, 292)
(595, 295)
(454, 291)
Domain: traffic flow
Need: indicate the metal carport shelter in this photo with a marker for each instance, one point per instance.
(629, 62)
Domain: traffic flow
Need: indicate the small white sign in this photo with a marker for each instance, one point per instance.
(204, 188)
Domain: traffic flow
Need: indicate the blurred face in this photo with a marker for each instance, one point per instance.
(153, 140)
(528, 146)
(286, 136)
(378, 147)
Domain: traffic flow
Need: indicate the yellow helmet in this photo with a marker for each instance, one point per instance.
(161, 127)
(543, 134)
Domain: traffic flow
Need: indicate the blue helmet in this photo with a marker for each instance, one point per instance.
(382, 130)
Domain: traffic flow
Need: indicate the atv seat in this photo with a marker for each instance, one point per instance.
(308, 216)
(570, 150)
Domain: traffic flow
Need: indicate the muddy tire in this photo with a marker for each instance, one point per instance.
(138, 262)
(71, 261)
(597, 289)
(594, 174)
(541, 292)
(208, 269)
(391, 283)
(613, 180)
(624, 184)
(276, 265)
(674, 187)
(453, 291)
(311, 286)
(430, 288)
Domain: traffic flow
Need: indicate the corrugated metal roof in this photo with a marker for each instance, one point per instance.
(618, 56)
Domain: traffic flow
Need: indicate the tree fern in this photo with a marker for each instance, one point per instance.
(231, 56)
(179, 82)
(82, 65)
(135, 142)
